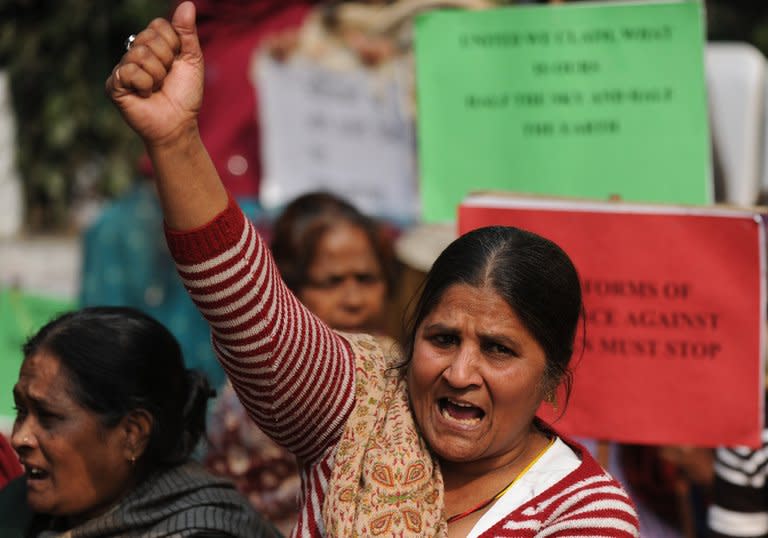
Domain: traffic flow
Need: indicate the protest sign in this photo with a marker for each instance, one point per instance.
(21, 314)
(593, 100)
(675, 316)
(347, 131)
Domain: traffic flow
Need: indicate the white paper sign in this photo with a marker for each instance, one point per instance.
(345, 131)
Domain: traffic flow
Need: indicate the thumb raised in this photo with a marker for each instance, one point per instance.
(183, 22)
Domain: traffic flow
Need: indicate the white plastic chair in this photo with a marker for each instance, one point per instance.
(736, 80)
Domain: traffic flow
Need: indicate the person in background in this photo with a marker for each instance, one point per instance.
(125, 261)
(740, 492)
(339, 263)
(439, 440)
(740, 503)
(107, 417)
(336, 260)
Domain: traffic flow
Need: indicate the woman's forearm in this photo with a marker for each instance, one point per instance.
(190, 190)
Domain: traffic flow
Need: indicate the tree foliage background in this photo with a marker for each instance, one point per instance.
(71, 141)
(72, 144)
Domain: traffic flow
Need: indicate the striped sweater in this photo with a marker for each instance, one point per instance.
(587, 502)
(295, 377)
(740, 492)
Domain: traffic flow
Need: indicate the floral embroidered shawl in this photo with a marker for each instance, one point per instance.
(385, 482)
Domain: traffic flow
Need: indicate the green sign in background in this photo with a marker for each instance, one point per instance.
(589, 100)
(21, 314)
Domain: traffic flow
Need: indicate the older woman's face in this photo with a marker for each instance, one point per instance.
(346, 287)
(476, 378)
(74, 466)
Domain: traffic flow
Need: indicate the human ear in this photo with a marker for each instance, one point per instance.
(137, 427)
(550, 386)
(551, 398)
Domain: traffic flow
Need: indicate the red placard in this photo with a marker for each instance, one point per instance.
(675, 316)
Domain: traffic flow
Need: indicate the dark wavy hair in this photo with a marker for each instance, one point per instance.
(532, 274)
(119, 359)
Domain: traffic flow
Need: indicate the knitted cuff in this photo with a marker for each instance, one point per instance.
(209, 240)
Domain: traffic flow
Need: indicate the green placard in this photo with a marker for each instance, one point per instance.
(21, 314)
(588, 100)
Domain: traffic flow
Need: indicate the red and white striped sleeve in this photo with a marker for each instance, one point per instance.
(588, 502)
(595, 506)
(294, 375)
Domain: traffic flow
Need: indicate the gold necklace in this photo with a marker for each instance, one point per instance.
(462, 515)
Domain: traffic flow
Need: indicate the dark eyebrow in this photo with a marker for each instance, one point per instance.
(506, 341)
(442, 327)
(498, 337)
(39, 402)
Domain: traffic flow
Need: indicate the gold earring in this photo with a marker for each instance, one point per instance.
(552, 399)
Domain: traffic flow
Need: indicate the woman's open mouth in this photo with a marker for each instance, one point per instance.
(462, 412)
(35, 473)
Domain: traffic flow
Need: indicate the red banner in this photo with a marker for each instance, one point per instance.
(674, 298)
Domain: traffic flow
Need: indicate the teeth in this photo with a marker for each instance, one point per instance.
(460, 404)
